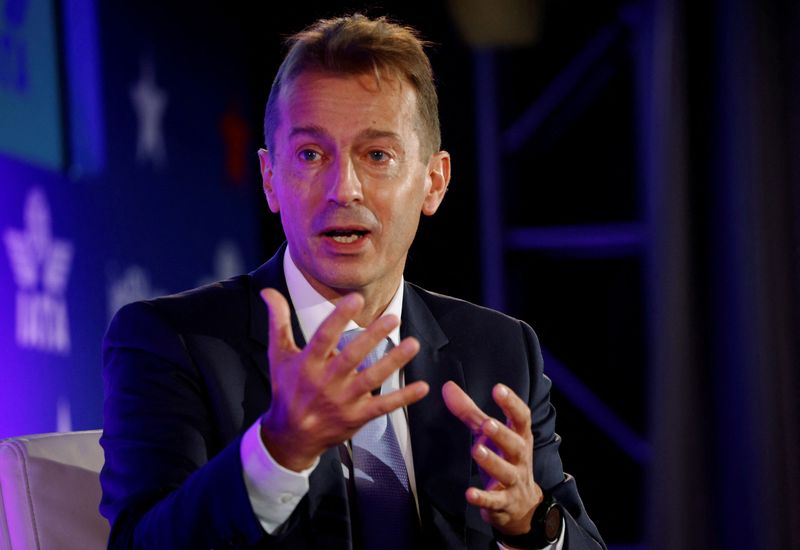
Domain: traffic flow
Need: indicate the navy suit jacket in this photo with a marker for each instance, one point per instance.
(186, 375)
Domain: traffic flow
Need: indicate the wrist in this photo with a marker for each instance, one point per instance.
(545, 528)
(283, 447)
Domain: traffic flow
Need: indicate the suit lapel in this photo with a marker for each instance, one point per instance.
(270, 275)
(440, 443)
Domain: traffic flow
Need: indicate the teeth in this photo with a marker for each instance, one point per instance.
(345, 239)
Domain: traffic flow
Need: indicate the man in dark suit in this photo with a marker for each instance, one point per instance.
(232, 424)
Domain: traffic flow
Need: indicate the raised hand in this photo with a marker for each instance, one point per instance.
(318, 398)
(504, 452)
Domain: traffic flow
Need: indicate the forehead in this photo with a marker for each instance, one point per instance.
(342, 103)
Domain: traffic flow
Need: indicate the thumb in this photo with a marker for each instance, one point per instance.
(280, 337)
(463, 407)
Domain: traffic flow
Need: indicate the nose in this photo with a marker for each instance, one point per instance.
(344, 187)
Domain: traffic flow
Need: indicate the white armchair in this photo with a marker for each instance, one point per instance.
(50, 491)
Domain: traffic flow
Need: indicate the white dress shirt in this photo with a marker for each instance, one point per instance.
(275, 491)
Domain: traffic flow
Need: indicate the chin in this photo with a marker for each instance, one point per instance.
(344, 283)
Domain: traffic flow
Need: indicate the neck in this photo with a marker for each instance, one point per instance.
(377, 294)
(376, 300)
(373, 308)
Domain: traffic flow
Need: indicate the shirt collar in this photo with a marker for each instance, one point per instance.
(312, 308)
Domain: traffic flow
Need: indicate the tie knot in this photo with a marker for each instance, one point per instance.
(347, 337)
(376, 353)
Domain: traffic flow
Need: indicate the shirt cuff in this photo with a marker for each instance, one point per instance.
(274, 491)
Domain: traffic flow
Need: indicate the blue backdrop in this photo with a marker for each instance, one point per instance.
(127, 170)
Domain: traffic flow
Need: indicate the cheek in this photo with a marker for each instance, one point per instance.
(294, 212)
(293, 196)
(404, 224)
(407, 209)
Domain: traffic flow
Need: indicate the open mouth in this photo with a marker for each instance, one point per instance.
(345, 236)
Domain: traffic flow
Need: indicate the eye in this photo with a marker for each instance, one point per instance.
(378, 156)
(309, 155)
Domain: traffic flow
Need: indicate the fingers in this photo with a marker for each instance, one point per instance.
(463, 407)
(511, 439)
(371, 378)
(280, 325)
(384, 404)
(330, 330)
(510, 444)
(488, 500)
(515, 409)
(355, 351)
(494, 466)
(368, 379)
(504, 454)
(320, 350)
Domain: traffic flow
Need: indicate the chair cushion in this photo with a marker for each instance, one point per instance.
(50, 492)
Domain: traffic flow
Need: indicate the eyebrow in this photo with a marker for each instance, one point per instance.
(372, 133)
(313, 130)
(320, 132)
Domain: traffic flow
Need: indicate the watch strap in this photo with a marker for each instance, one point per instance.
(546, 525)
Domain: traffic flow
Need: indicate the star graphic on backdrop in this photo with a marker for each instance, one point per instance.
(149, 102)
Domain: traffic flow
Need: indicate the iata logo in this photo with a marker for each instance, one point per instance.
(41, 265)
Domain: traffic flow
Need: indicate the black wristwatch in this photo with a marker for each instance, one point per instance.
(546, 525)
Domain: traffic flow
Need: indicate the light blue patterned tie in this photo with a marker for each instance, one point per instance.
(387, 513)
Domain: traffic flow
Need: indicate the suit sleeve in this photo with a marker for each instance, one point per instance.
(581, 533)
(168, 482)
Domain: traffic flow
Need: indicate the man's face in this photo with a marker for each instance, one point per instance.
(348, 179)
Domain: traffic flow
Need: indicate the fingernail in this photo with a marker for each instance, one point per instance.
(481, 451)
(491, 426)
(502, 391)
(408, 346)
(388, 322)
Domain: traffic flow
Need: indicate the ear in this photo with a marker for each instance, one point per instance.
(265, 162)
(439, 176)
